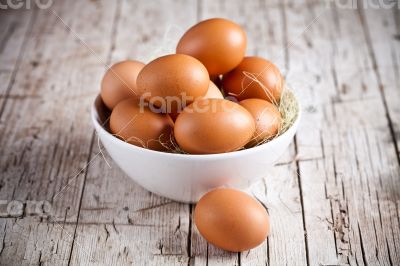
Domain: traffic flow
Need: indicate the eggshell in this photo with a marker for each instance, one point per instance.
(139, 126)
(213, 126)
(119, 82)
(231, 219)
(219, 44)
(267, 117)
(254, 77)
(172, 81)
(212, 92)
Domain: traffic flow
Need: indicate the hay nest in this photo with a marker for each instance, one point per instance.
(288, 107)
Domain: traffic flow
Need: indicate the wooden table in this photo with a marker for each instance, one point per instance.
(333, 198)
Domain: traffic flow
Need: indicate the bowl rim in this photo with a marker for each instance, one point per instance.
(94, 116)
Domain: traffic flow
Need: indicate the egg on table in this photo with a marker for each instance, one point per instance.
(267, 118)
(170, 82)
(231, 219)
(210, 126)
(218, 43)
(254, 77)
(139, 126)
(119, 82)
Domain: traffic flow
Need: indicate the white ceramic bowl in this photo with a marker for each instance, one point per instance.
(184, 177)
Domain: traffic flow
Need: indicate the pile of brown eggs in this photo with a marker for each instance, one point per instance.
(207, 98)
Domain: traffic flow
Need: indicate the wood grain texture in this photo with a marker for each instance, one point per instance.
(45, 130)
(382, 33)
(129, 224)
(15, 28)
(333, 198)
(344, 185)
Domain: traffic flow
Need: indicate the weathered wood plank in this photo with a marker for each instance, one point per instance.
(13, 32)
(29, 242)
(279, 192)
(310, 73)
(382, 35)
(15, 27)
(378, 172)
(383, 38)
(121, 222)
(45, 130)
(351, 181)
(128, 223)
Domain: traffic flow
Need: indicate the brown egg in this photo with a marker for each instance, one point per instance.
(232, 220)
(254, 77)
(218, 43)
(172, 81)
(119, 82)
(213, 92)
(139, 126)
(267, 117)
(213, 126)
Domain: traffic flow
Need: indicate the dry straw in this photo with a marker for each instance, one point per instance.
(288, 108)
